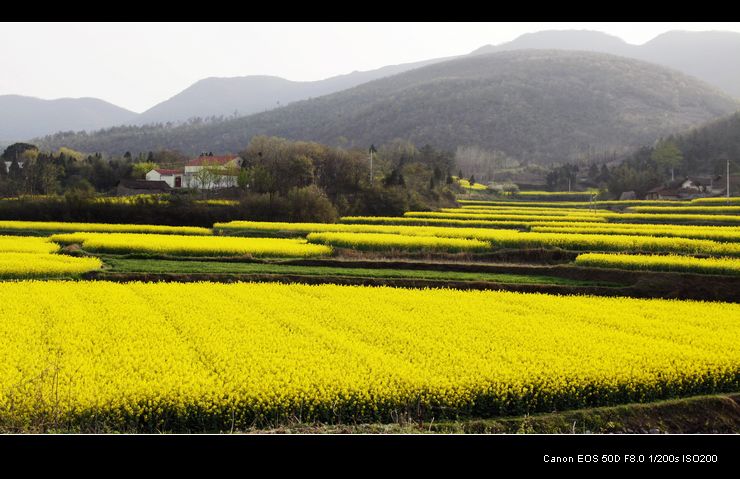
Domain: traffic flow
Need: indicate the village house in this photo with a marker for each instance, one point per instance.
(686, 189)
(172, 177)
(224, 170)
(204, 172)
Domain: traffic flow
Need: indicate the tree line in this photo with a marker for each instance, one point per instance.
(279, 179)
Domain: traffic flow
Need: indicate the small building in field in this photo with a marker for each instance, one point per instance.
(141, 187)
(209, 172)
(685, 189)
(172, 177)
(661, 193)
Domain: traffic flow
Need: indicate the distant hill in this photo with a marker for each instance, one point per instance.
(710, 56)
(23, 117)
(242, 96)
(582, 40)
(536, 105)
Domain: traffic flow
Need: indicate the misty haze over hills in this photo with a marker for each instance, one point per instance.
(710, 56)
(23, 117)
(543, 106)
(256, 93)
(27, 117)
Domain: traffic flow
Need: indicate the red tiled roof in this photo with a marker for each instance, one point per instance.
(211, 160)
(163, 171)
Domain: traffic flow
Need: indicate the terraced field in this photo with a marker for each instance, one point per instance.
(309, 330)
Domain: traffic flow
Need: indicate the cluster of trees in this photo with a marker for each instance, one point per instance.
(645, 169)
(28, 171)
(340, 180)
(702, 151)
(674, 158)
(278, 180)
(649, 167)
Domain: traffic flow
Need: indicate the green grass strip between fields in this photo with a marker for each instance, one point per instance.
(215, 267)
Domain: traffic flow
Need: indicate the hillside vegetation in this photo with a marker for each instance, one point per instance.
(536, 106)
(681, 50)
(240, 96)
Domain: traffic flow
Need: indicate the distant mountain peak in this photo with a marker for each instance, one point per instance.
(25, 116)
(587, 40)
(711, 56)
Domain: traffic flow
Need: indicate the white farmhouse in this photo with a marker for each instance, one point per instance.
(222, 170)
(171, 177)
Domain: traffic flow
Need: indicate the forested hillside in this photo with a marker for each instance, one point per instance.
(535, 106)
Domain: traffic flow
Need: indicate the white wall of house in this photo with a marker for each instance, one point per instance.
(224, 181)
(154, 175)
(190, 179)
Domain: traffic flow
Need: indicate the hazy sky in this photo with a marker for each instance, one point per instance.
(137, 65)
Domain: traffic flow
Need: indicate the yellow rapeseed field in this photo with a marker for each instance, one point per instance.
(708, 219)
(732, 200)
(53, 226)
(218, 202)
(612, 242)
(502, 238)
(26, 244)
(700, 209)
(405, 220)
(568, 204)
(729, 266)
(192, 245)
(133, 199)
(44, 265)
(500, 210)
(585, 216)
(468, 215)
(382, 242)
(715, 233)
(539, 194)
(173, 356)
(523, 207)
(477, 186)
(266, 227)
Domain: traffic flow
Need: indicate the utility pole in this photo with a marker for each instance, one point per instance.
(372, 150)
(728, 179)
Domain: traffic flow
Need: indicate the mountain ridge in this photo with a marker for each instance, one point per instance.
(682, 50)
(39, 116)
(242, 96)
(533, 105)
